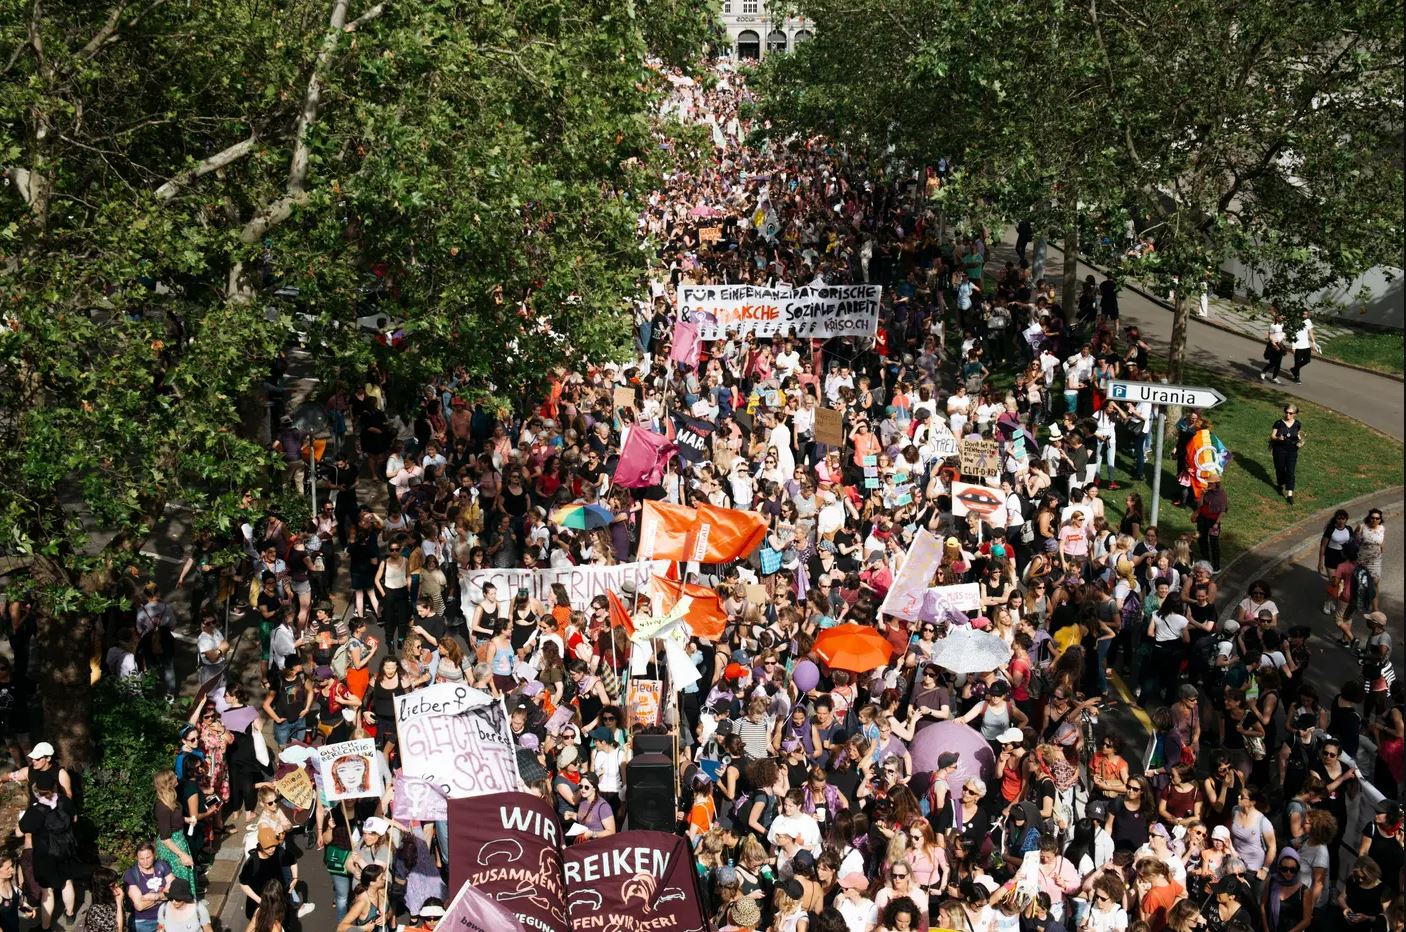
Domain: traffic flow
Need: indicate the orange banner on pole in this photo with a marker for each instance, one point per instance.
(727, 534)
(705, 617)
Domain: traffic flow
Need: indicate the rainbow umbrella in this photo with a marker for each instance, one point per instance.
(582, 517)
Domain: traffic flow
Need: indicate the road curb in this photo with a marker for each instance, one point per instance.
(1167, 305)
(1267, 557)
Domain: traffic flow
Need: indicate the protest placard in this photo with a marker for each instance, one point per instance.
(419, 799)
(582, 583)
(623, 396)
(942, 442)
(296, 787)
(645, 701)
(457, 739)
(819, 312)
(710, 234)
(905, 595)
(980, 457)
(829, 427)
(349, 770)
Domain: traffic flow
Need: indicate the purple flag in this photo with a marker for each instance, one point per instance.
(471, 911)
(686, 345)
(642, 459)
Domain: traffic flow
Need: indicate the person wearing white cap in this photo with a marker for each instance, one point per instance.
(42, 773)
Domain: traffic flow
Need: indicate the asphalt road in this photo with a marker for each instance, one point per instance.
(1375, 400)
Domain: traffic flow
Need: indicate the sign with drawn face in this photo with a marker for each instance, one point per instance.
(349, 770)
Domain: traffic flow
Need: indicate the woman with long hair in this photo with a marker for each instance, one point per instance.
(171, 844)
(271, 911)
(106, 912)
(368, 909)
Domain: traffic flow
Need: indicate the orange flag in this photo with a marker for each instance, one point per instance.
(705, 618)
(619, 615)
(725, 534)
(665, 531)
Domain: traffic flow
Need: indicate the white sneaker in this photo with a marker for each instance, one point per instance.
(1276, 381)
(305, 909)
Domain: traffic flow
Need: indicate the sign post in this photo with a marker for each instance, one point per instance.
(1160, 395)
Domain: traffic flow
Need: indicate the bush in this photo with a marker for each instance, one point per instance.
(136, 733)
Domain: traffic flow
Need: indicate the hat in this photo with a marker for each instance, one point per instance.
(1097, 809)
(1221, 832)
(854, 880)
(1376, 618)
(268, 838)
(793, 889)
(603, 734)
(529, 767)
(741, 656)
(568, 756)
(981, 622)
(735, 671)
(947, 759)
(746, 913)
(431, 911)
(999, 688)
(180, 891)
(375, 826)
(1389, 807)
(1157, 828)
(1231, 626)
(529, 741)
(803, 860)
(1011, 735)
(1305, 720)
(727, 876)
(532, 687)
(45, 749)
(952, 542)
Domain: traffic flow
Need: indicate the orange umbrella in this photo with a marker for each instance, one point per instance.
(852, 647)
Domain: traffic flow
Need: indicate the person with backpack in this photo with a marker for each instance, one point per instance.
(48, 827)
(1299, 753)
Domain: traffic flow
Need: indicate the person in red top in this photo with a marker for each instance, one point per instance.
(1158, 892)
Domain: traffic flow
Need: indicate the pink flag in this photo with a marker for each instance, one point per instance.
(642, 459)
(686, 345)
(472, 911)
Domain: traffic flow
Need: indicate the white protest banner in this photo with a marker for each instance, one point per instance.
(905, 595)
(823, 311)
(939, 600)
(941, 441)
(349, 770)
(583, 583)
(458, 739)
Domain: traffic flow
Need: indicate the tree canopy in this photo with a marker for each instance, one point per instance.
(1262, 131)
(184, 179)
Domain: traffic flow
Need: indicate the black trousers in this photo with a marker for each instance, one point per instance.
(1273, 361)
(1208, 540)
(1286, 463)
(1302, 357)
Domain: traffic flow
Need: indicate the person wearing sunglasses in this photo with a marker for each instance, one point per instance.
(1285, 439)
(1285, 903)
(1258, 600)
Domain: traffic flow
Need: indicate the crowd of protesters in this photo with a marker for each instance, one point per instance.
(805, 804)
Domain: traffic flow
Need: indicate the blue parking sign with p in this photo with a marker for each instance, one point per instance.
(1120, 391)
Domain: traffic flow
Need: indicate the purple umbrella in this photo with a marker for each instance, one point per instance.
(974, 754)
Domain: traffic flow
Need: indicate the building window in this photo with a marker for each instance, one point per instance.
(749, 6)
(802, 36)
(727, 6)
(776, 42)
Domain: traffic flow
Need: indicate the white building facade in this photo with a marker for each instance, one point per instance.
(754, 32)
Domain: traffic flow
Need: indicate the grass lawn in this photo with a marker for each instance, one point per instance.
(1382, 352)
(1340, 460)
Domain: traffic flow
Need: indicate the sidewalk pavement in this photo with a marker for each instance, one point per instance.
(1232, 345)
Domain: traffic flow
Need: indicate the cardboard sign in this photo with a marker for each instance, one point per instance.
(980, 457)
(624, 397)
(942, 442)
(710, 234)
(829, 427)
(297, 788)
(756, 594)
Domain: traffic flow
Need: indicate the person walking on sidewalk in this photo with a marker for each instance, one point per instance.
(1214, 504)
(1274, 348)
(1304, 346)
(1285, 438)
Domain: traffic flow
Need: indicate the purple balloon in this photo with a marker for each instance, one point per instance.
(805, 676)
(975, 758)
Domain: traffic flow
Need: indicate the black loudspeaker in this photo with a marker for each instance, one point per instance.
(649, 792)
(653, 744)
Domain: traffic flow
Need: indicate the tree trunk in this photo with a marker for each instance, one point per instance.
(1070, 291)
(1176, 353)
(65, 685)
